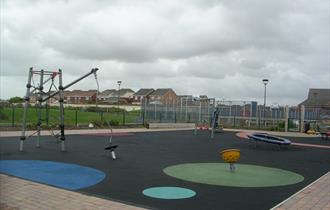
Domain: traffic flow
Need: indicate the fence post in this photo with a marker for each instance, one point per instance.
(302, 119)
(286, 127)
(160, 117)
(102, 115)
(13, 116)
(124, 116)
(76, 117)
(174, 117)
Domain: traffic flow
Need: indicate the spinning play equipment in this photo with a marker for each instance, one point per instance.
(231, 156)
(44, 96)
(264, 137)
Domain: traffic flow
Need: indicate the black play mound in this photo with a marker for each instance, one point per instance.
(142, 157)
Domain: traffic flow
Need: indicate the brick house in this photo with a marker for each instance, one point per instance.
(141, 94)
(80, 97)
(163, 96)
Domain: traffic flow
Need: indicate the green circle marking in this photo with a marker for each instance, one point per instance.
(244, 175)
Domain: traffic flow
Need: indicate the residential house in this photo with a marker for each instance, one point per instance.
(141, 94)
(317, 98)
(125, 96)
(317, 105)
(105, 95)
(163, 96)
(81, 97)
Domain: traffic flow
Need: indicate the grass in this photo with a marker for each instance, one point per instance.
(71, 117)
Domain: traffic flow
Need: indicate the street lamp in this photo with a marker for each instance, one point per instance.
(265, 81)
(119, 83)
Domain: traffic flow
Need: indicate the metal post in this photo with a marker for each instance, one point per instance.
(286, 119)
(302, 118)
(265, 81)
(61, 88)
(26, 106)
(40, 94)
(186, 108)
(119, 83)
(13, 115)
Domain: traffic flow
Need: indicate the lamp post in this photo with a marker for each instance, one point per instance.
(119, 83)
(265, 81)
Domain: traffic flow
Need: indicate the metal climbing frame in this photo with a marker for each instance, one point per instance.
(44, 96)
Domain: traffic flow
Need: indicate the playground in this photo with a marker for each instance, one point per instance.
(170, 169)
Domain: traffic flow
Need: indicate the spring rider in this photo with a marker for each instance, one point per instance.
(231, 156)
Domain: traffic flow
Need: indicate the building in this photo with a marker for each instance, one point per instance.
(163, 96)
(80, 97)
(317, 98)
(125, 96)
(105, 95)
(141, 94)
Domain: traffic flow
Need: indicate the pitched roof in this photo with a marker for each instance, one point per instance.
(317, 97)
(107, 92)
(161, 91)
(144, 92)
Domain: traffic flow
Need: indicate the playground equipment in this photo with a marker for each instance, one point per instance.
(264, 137)
(215, 127)
(44, 97)
(231, 156)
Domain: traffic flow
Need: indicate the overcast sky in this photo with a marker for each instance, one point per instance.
(222, 49)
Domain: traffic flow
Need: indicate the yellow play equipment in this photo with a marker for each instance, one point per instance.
(231, 156)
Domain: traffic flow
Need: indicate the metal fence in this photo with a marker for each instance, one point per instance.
(234, 114)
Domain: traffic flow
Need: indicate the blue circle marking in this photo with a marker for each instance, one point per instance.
(63, 175)
(168, 192)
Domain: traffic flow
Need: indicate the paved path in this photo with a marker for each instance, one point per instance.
(19, 194)
(315, 196)
(126, 130)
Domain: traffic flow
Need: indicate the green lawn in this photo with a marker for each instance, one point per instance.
(71, 117)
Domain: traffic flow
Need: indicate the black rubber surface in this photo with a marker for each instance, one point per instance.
(142, 157)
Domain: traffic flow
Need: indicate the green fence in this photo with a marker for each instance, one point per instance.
(73, 117)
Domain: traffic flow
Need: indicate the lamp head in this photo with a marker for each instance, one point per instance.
(265, 81)
(119, 82)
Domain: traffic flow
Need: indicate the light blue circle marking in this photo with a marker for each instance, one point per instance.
(63, 175)
(168, 192)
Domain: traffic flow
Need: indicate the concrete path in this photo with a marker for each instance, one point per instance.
(125, 130)
(19, 194)
(315, 196)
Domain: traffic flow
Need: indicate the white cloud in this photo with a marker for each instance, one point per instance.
(219, 48)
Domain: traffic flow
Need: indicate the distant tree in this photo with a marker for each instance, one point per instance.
(15, 99)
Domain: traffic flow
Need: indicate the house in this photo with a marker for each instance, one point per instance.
(81, 97)
(317, 98)
(125, 96)
(141, 94)
(185, 100)
(105, 95)
(163, 96)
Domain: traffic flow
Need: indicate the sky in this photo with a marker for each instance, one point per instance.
(219, 48)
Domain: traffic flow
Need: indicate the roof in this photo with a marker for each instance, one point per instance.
(160, 91)
(144, 92)
(107, 92)
(317, 97)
